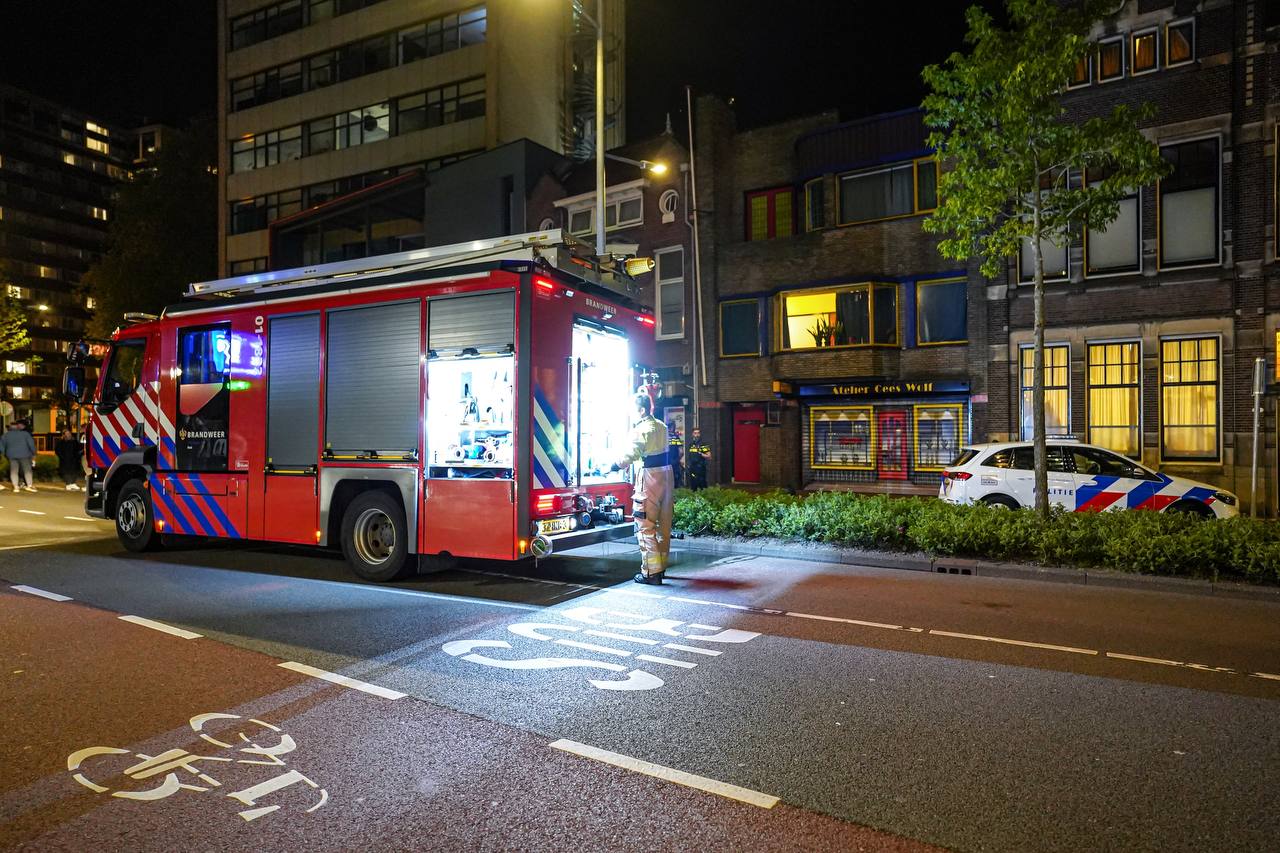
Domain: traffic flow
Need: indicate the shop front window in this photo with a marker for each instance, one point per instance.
(939, 432)
(1057, 389)
(861, 315)
(841, 437)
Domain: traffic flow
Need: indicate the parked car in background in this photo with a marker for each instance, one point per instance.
(1082, 477)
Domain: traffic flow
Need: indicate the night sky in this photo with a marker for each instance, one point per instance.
(155, 60)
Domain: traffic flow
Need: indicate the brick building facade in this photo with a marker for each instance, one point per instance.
(806, 224)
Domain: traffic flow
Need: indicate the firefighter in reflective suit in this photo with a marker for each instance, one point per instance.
(653, 490)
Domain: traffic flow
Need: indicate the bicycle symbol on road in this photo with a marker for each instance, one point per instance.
(598, 621)
(174, 766)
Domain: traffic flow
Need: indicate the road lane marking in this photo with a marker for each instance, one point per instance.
(847, 621)
(342, 680)
(31, 512)
(689, 780)
(1141, 659)
(81, 518)
(668, 661)
(1007, 641)
(1266, 675)
(160, 626)
(696, 651)
(31, 590)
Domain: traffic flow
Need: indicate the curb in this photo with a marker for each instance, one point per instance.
(979, 568)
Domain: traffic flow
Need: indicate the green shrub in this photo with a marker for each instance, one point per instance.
(1145, 542)
(46, 468)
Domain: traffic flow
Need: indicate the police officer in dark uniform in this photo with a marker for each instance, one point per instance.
(675, 457)
(699, 455)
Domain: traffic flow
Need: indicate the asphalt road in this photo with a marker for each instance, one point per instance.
(965, 712)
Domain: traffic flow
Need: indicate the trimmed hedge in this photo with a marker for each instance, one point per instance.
(46, 468)
(1172, 544)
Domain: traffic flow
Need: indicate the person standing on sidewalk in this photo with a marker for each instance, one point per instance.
(69, 463)
(653, 497)
(20, 449)
(699, 455)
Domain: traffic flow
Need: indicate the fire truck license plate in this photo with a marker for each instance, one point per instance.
(549, 526)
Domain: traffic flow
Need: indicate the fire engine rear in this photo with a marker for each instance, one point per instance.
(460, 401)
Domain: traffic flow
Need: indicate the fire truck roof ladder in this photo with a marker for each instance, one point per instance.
(551, 248)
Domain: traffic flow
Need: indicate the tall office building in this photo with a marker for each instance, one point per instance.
(57, 168)
(321, 98)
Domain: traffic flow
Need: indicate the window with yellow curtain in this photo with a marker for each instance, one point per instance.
(1189, 398)
(1115, 399)
(1057, 389)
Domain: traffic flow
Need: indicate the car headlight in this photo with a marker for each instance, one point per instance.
(1226, 497)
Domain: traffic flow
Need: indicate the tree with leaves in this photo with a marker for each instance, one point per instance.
(1017, 171)
(14, 336)
(163, 234)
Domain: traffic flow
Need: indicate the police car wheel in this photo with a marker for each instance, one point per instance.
(1000, 502)
(135, 519)
(375, 537)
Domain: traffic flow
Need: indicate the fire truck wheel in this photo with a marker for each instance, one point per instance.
(375, 537)
(135, 525)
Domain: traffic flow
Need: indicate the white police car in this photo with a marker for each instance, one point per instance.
(1082, 477)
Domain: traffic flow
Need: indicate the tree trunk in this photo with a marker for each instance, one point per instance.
(1040, 452)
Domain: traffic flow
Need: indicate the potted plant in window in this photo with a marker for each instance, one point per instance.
(821, 332)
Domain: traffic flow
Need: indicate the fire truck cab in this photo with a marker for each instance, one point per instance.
(459, 401)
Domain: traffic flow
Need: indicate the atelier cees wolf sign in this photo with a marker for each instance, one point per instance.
(241, 762)
(607, 625)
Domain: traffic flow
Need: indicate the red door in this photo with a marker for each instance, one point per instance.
(891, 445)
(746, 444)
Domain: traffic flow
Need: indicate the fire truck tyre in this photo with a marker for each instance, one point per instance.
(135, 524)
(375, 537)
(1000, 502)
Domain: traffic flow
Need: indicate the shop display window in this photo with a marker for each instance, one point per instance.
(939, 433)
(841, 437)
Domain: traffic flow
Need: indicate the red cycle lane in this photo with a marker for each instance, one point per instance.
(118, 734)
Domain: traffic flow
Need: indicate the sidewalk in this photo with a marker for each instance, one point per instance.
(918, 562)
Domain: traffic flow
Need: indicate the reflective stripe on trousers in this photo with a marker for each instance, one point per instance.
(652, 505)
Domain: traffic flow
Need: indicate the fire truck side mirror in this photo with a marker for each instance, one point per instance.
(73, 384)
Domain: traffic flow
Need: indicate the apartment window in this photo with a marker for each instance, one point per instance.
(444, 105)
(1179, 42)
(939, 432)
(246, 266)
(1118, 247)
(1142, 51)
(98, 213)
(770, 214)
(266, 86)
(1115, 396)
(254, 214)
(886, 193)
(669, 292)
(842, 437)
(266, 149)
(580, 221)
(1111, 60)
(739, 328)
(1189, 398)
(815, 201)
(1082, 74)
(942, 312)
(1189, 203)
(1057, 389)
(18, 368)
(284, 17)
(617, 214)
(349, 129)
(858, 315)
(90, 303)
(1053, 253)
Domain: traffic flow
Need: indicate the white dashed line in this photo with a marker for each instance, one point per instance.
(30, 512)
(1009, 642)
(846, 621)
(343, 680)
(689, 780)
(1265, 675)
(1141, 659)
(80, 518)
(160, 626)
(31, 590)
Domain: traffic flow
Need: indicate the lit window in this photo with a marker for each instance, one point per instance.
(1189, 398)
(841, 437)
(1111, 59)
(13, 291)
(1115, 398)
(1057, 389)
(19, 393)
(1180, 42)
(48, 272)
(96, 145)
(1142, 54)
(18, 368)
(860, 315)
(739, 328)
(1082, 74)
(1189, 204)
(98, 213)
(942, 312)
(939, 432)
(1118, 247)
(90, 303)
(669, 292)
(769, 214)
(68, 158)
(95, 128)
(815, 200)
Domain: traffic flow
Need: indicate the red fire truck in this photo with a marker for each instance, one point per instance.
(460, 401)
